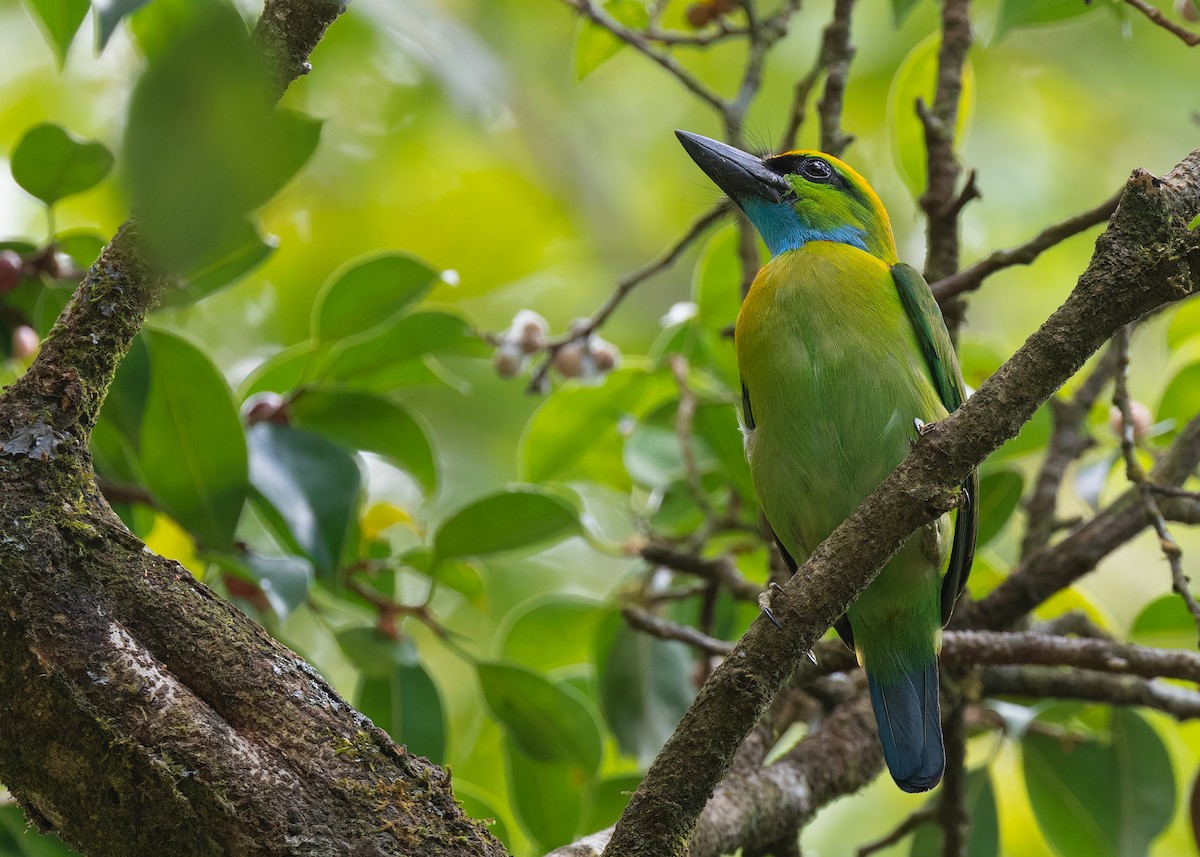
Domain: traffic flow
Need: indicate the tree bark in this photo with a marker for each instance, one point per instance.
(141, 713)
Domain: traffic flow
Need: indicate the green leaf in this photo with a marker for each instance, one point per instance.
(509, 520)
(1015, 14)
(19, 839)
(1107, 799)
(717, 279)
(575, 433)
(369, 292)
(312, 486)
(594, 45)
(1032, 437)
(406, 704)
(1181, 400)
(109, 14)
(984, 839)
(282, 373)
(718, 425)
(654, 456)
(81, 245)
(1164, 623)
(240, 252)
(644, 686)
(59, 21)
(916, 78)
(546, 721)
(1185, 324)
(50, 163)
(378, 360)
(900, 10)
(482, 806)
(370, 423)
(999, 496)
(547, 797)
(1195, 224)
(202, 127)
(551, 631)
(608, 800)
(193, 453)
(284, 580)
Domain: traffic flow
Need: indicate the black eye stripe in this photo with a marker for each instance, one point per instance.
(809, 167)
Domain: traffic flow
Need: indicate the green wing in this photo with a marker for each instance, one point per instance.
(935, 343)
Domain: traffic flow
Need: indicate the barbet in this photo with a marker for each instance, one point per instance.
(843, 355)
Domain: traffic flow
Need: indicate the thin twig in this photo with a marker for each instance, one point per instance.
(625, 285)
(1068, 441)
(837, 51)
(685, 416)
(665, 629)
(952, 804)
(972, 277)
(722, 569)
(909, 825)
(1137, 476)
(639, 42)
(1186, 36)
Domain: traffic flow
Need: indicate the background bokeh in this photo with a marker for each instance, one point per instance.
(458, 131)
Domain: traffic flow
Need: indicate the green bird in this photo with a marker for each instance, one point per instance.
(843, 356)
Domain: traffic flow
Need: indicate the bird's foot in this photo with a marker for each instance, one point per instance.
(764, 603)
(920, 426)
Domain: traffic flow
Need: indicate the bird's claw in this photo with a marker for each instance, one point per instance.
(764, 603)
(920, 426)
(811, 657)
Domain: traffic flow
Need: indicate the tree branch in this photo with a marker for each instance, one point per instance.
(1088, 686)
(1146, 258)
(1185, 35)
(153, 716)
(972, 277)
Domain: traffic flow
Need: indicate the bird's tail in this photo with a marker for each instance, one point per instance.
(910, 726)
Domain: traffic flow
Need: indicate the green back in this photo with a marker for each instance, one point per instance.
(935, 343)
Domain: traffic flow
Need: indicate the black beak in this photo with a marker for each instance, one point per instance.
(741, 175)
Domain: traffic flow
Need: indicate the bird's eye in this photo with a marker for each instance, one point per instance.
(817, 170)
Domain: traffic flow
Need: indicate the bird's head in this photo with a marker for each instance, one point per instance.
(797, 197)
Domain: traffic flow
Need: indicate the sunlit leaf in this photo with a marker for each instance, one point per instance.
(283, 372)
(1181, 399)
(50, 163)
(378, 360)
(1101, 798)
(202, 127)
(551, 631)
(1185, 324)
(916, 78)
(59, 21)
(644, 686)
(547, 721)
(311, 485)
(193, 452)
(509, 520)
(1165, 623)
(547, 796)
(594, 45)
(369, 423)
(368, 292)
(1027, 13)
(999, 496)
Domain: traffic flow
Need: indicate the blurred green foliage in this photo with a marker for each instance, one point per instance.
(318, 432)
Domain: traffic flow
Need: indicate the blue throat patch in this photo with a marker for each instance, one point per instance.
(783, 230)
